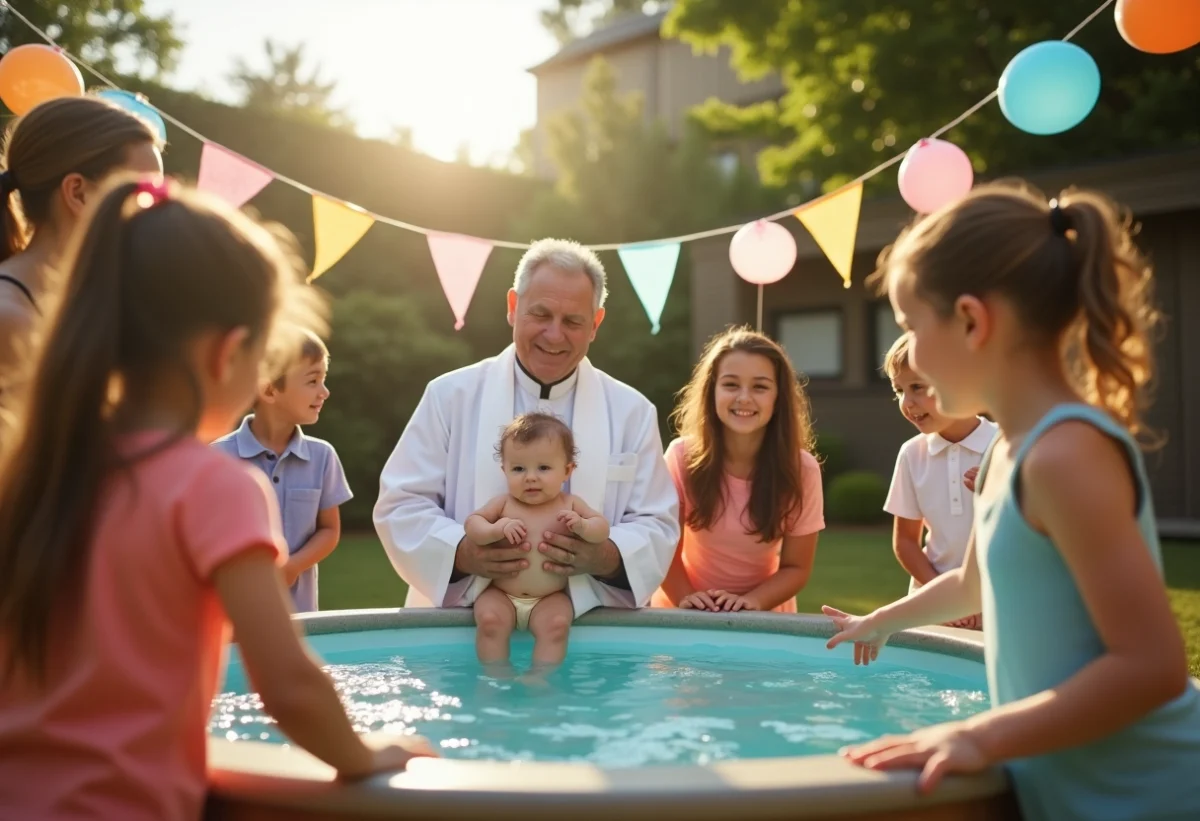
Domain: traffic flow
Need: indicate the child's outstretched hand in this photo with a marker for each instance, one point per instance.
(572, 520)
(936, 751)
(969, 478)
(868, 639)
(514, 530)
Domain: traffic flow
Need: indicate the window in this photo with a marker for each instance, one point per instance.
(813, 341)
(886, 332)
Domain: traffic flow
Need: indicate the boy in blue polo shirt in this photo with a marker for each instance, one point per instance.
(305, 471)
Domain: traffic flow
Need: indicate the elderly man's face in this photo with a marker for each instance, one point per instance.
(553, 321)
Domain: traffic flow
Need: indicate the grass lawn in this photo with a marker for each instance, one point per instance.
(855, 572)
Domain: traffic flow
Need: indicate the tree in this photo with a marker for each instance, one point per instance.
(570, 19)
(622, 179)
(383, 353)
(97, 31)
(283, 87)
(865, 79)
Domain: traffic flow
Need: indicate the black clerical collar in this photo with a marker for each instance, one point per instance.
(535, 386)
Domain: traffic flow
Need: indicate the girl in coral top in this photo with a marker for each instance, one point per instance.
(127, 545)
(749, 488)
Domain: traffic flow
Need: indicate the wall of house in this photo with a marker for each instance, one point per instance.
(670, 78)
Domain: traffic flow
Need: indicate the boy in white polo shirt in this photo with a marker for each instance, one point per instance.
(934, 483)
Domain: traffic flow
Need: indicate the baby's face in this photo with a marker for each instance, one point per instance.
(536, 471)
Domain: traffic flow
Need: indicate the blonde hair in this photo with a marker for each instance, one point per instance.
(897, 356)
(1070, 269)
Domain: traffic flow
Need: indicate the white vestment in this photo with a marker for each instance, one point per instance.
(444, 468)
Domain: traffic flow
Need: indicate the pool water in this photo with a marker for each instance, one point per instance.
(625, 697)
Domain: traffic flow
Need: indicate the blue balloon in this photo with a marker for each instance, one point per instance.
(136, 105)
(1049, 87)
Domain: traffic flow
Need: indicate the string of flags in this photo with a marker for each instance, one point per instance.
(932, 173)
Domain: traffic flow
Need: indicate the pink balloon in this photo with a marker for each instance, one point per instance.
(762, 252)
(934, 173)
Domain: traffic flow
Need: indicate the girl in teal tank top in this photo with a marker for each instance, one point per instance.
(1038, 314)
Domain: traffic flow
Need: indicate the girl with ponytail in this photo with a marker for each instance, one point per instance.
(1038, 313)
(126, 542)
(52, 161)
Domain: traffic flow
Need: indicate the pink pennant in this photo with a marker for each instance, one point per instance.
(230, 176)
(459, 261)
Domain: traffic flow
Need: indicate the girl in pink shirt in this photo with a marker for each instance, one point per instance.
(749, 487)
(126, 542)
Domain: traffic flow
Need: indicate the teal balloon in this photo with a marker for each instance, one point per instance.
(136, 105)
(1049, 87)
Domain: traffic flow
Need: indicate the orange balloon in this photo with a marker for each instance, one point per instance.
(33, 73)
(1159, 26)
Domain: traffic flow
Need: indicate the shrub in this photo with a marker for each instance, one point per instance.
(856, 497)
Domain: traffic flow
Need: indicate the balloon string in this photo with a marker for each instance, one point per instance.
(760, 301)
(606, 246)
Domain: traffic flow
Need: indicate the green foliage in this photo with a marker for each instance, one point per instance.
(856, 497)
(383, 353)
(96, 31)
(621, 179)
(283, 87)
(830, 450)
(865, 79)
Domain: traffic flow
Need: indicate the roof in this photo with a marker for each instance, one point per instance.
(619, 32)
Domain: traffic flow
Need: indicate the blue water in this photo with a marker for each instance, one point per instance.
(626, 696)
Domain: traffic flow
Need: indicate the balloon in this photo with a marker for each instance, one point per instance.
(762, 252)
(1049, 87)
(1159, 26)
(934, 173)
(136, 104)
(34, 73)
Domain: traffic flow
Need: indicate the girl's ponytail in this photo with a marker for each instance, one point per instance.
(63, 444)
(1111, 344)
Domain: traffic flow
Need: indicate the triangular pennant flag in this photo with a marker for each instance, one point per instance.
(337, 227)
(459, 261)
(833, 223)
(230, 176)
(651, 269)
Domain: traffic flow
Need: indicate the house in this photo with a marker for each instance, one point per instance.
(837, 337)
(669, 76)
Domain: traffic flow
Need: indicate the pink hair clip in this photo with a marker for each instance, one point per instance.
(151, 191)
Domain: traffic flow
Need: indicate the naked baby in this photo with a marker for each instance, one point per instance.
(537, 454)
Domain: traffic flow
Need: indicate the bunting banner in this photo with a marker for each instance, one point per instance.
(833, 223)
(337, 227)
(651, 268)
(230, 176)
(459, 262)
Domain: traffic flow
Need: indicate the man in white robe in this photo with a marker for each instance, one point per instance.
(444, 467)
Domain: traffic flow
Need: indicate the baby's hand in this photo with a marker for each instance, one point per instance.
(514, 530)
(572, 520)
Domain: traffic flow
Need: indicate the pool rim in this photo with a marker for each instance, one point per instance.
(800, 787)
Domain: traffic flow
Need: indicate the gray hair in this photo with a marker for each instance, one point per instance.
(568, 255)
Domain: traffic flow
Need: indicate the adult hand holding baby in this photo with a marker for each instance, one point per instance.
(568, 555)
(499, 560)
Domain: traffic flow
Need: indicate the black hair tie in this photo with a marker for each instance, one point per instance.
(1059, 221)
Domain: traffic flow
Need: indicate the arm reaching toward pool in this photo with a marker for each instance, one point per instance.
(951, 596)
(294, 690)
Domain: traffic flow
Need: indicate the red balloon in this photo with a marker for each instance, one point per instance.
(1159, 26)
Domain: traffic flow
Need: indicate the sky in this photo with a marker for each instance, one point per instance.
(454, 71)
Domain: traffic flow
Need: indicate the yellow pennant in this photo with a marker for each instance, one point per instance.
(833, 223)
(337, 227)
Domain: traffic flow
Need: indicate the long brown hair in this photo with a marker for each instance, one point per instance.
(144, 276)
(88, 136)
(775, 487)
(1075, 278)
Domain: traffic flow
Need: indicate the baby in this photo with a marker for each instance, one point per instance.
(537, 453)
